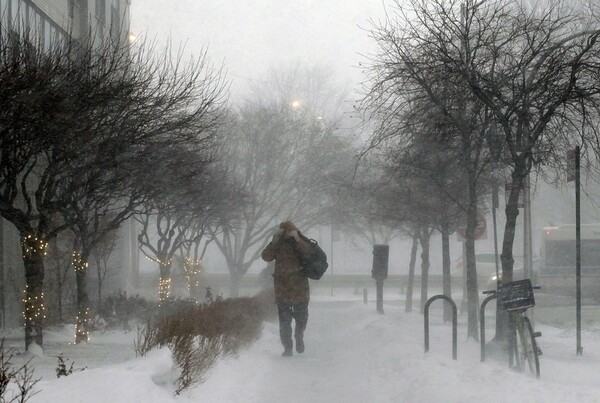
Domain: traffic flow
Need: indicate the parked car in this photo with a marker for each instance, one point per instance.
(486, 267)
(518, 273)
(486, 263)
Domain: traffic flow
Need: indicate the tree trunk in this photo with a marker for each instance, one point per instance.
(472, 286)
(82, 330)
(99, 295)
(59, 290)
(506, 257)
(425, 237)
(446, 279)
(33, 260)
(236, 280)
(164, 284)
(411, 273)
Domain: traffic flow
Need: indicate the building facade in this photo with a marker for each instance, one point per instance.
(48, 21)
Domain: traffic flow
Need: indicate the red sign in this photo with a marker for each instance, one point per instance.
(480, 229)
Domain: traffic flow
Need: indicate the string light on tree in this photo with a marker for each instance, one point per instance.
(81, 326)
(192, 269)
(160, 262)
(79, 265)
(164, 289)
(34, 306)
(32, 245)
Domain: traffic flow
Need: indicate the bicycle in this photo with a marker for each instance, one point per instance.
(516, 297)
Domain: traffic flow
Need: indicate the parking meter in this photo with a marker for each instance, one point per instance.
(380, 271)
(380, 262)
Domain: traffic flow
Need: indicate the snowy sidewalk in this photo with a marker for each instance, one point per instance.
(353, 355)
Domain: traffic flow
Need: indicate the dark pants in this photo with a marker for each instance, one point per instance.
(287, 312)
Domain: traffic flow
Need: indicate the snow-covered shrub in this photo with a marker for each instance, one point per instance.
(118, 310)
(198, 334)
(16, 383)
(61, 368)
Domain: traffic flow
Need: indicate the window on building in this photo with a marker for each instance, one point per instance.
(4, 16)
(115, 23)
(14, 6)
(21, 21)
(101, 11)
(47, 34)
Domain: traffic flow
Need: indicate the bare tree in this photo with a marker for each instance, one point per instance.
(72, 120)
(144, 106)
(287, 161)
(192, 197)
(59, 263)
(534, 68)
(433, 135)
(532, 71)
(100, 256)
(34, 116)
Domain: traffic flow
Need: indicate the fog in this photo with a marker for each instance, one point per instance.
(291, 127)
(252, 37)
(364, 357)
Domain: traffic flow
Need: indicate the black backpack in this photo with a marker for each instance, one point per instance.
(314, 263)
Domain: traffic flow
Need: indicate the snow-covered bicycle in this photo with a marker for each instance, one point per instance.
(516, 297)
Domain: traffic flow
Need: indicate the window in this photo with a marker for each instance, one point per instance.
(101, 11)
(21, 22)
(47, 36)
(14, 6)
(4, 12)
(115, 24)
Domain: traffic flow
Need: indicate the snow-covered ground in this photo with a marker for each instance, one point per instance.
(353, 354)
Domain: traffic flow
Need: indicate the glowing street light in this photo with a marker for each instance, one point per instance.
(295, 104)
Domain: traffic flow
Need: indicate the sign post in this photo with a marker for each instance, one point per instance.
(573, 165)
(461, 235)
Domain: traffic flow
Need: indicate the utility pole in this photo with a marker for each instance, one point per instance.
(578, 247)
(331, 260)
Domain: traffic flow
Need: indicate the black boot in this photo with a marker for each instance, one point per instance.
(287, 352)
(300, 343)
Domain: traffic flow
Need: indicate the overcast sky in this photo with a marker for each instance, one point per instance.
(252, 36)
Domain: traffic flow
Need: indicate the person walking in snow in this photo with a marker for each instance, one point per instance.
(292, 292)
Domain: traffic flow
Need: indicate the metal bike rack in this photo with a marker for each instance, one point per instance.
(482, 323)
(454, 322)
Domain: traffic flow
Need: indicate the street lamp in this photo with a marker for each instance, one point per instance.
(131, 37)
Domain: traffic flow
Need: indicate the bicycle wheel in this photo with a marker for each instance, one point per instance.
(527, 346)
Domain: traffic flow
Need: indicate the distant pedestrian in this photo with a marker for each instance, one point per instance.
(292, 292)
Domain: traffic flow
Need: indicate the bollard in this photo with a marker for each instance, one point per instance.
(365, 299)
(379, 285)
